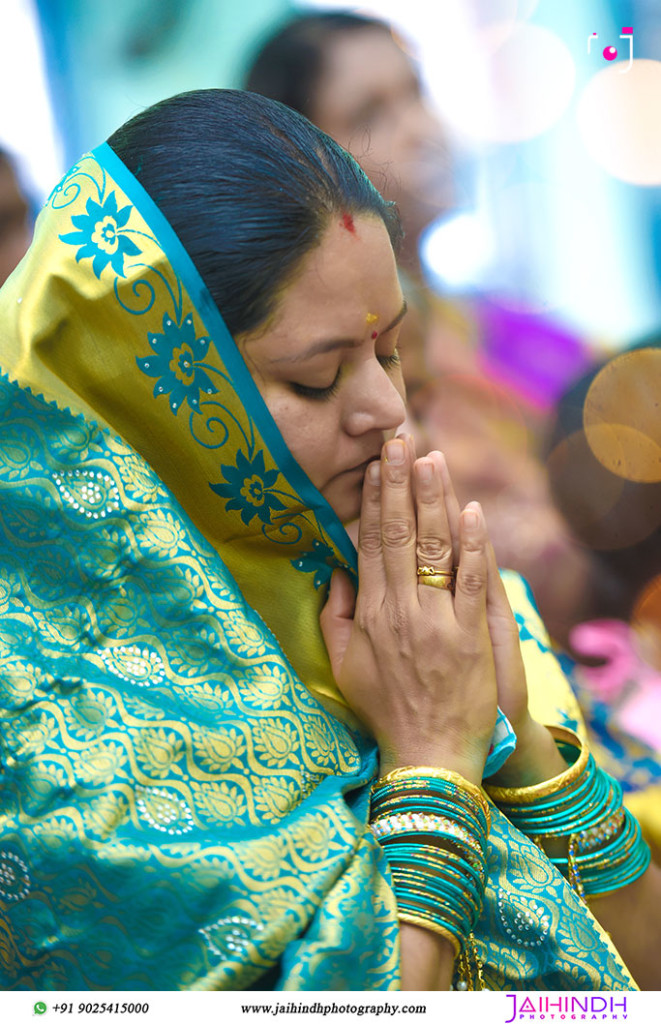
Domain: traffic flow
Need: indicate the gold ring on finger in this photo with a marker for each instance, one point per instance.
(438, 578)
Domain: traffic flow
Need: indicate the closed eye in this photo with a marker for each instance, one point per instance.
(316, 394)
(389, 362)
(320, 394)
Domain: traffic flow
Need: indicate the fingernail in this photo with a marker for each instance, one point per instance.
(471, 519)
(374, 472)
(395, 452)
(424, 470)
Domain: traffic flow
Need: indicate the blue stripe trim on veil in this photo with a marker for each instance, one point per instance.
(244, 385)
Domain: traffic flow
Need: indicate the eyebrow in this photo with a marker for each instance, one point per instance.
(330, 344)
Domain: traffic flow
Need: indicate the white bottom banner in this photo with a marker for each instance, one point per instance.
(312, 1008)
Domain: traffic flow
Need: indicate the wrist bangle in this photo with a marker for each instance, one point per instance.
(432, 779)
(532, 794)
(605, 847)
(410, 773)
(432, 826)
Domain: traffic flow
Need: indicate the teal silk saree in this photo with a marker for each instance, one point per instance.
(184, 795)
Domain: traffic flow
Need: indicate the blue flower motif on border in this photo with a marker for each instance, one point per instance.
(567, 721)
(525, 634)
(99, 235)
(175, 363)
(248, 488)
(321, 561)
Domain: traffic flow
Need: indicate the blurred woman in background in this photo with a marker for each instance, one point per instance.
(15, 218)
(353, 77)
(610, 496)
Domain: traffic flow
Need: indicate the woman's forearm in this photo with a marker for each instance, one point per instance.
(427, 960)
(535, 759)
(632, 917)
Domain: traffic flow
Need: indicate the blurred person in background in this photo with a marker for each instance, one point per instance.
(605, 477)
(15, 218)
(353, 77)
(350, 75)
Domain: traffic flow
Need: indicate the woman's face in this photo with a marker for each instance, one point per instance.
(15, 227)
(369, 100)
(326, 363)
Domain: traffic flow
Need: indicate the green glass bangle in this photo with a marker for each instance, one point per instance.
(427, 775)
(447, 909)
(451, 864)
(416, 814)
(599, 798)
(465, 876)
(436, 884)
(612, 866)
(393, 849)
(565, 806)
(464, 884)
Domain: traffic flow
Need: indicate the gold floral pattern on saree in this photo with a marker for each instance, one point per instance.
(177, 809)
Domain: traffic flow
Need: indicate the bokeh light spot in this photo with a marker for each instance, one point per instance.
(457, 249)
(495, 20)
(508, 92)
(622, 415)
(619, 119)
(532, 77)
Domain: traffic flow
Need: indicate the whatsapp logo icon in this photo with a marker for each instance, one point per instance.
(40, 1008)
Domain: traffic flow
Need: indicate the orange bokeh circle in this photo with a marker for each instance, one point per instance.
(622, 416)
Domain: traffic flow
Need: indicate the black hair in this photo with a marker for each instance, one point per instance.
(249, 186)
(289, 65)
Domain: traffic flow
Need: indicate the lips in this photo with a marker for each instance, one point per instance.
(362, 466)
(372, 458)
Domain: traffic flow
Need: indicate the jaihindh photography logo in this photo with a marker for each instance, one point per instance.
(609, 53)
(577, 1007)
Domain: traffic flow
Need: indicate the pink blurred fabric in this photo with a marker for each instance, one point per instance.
(625, 681)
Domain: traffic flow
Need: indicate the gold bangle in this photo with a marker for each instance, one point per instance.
(471, 809)
(529, 794)
(419, 772)
(431, 926)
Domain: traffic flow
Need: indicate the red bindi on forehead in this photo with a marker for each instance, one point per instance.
(347, 222)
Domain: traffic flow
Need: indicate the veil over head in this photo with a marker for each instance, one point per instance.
(184, 796)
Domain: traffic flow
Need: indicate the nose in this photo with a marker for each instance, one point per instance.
(375, 402)
(420, 128)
